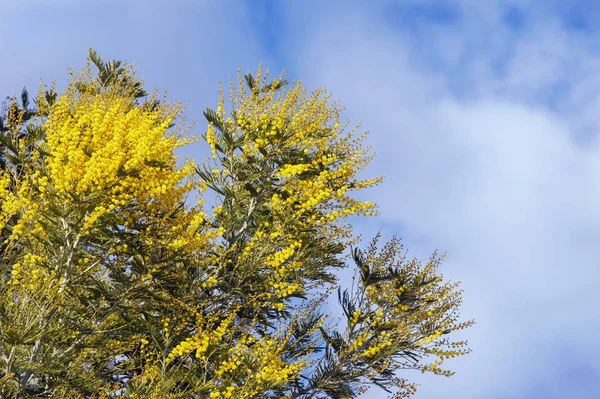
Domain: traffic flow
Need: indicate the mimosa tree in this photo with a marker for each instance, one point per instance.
(117, 281)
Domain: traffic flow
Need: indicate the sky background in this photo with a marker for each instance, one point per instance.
(484, 116)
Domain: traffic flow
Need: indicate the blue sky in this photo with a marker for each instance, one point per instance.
(484, 118)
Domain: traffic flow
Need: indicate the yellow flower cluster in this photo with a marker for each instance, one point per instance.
(103, 145)
(292, 170)
(201, 341)
(16, 273)
(210, 140)
(20, 201)
(418, 325)
(210, 282)
(271, 370)
(354, 317)
(29, 272)
(280, 257)
(227, 393)
(384, 342)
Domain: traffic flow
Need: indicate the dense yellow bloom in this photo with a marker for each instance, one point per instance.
(102, 145)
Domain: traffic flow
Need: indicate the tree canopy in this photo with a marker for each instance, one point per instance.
(117, 281)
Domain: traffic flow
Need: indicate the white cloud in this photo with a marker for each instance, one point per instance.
(495, 177)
